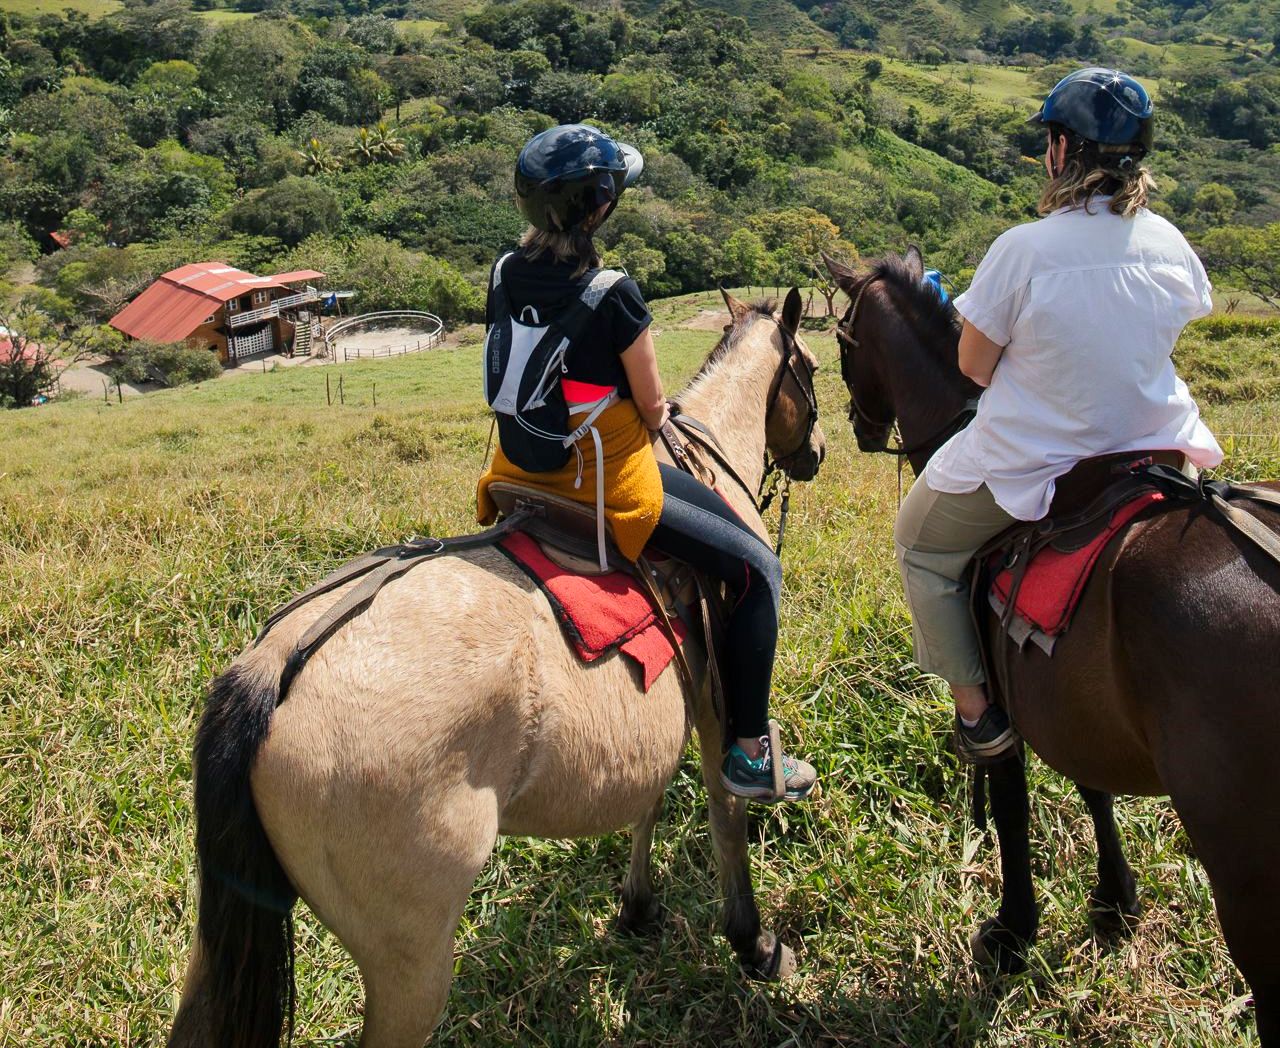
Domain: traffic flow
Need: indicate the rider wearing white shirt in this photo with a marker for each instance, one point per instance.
(1070, 322)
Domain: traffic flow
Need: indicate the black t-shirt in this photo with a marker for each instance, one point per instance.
(549, 287)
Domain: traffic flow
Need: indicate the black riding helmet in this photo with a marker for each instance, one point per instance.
(1102, 106)
(566, 173)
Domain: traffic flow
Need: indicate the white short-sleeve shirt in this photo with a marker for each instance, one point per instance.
(1088, 307)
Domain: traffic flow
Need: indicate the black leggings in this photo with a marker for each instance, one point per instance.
(698, 527)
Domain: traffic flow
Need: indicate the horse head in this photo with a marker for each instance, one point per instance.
(793, 437)
(898, 357)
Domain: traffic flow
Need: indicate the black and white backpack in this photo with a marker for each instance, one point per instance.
(524, 362)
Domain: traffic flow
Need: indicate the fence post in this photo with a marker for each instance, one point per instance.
(328, 392)
(342, 399)
(375, 394)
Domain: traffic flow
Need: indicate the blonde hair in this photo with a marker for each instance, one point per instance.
(1093, 170)
(575, 246)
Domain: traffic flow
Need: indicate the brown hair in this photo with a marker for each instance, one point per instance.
(575, 246)
(1098, 170)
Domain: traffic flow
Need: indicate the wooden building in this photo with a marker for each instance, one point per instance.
(229, 312)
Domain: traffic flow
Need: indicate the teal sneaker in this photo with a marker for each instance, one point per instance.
(744, 777)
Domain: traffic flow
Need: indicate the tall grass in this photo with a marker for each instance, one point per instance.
(140, 546)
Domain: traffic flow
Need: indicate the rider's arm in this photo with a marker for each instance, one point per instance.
(640, 362)
(978, 355)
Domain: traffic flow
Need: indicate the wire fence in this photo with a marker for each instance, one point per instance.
(425, 331)
(365, 353)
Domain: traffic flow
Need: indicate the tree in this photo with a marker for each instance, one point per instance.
(165, 186)
(1249, 255)
(375, 33)
(743, 259)
(256, 64)
(35, 350)
(318, 157)
(290, 211)
(167, 100)
(1214, 204)
(386, 275)
(645, 264)
(15, 247)
(379, 146)
(825, 282)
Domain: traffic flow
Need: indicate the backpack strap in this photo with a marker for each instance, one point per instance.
(498, 292)
(495, 278)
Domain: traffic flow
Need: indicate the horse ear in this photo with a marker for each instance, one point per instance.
(792, 311)
(737, 310)
(844, 277)
(914, 261)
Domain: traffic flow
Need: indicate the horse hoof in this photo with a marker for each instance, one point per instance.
(779, 965)
(994, 946)
(639, 920)
(1114, 919)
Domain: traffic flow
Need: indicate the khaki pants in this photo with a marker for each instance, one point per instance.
(936, 536)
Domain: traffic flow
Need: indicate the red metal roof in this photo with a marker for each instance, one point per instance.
(30, 350)
(295, 275)
(179, 301)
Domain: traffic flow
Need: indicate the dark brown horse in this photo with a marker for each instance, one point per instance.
(1168, 681)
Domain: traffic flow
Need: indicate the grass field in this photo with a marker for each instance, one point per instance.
(422, 26)
(140, 546)
(220, 16)
(92, 8)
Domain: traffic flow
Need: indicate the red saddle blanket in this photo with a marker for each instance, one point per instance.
(598, 612)
(1055, 578)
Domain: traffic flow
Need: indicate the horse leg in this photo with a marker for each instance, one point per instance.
(1002, 940)
(1113, 903)
(760, 952)
(390, 877)
(1233, 836)
(641, 912)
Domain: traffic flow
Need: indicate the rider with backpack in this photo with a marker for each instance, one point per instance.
(572, 376)
(1069, 323)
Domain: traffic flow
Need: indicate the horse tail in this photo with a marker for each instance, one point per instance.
(245, 928)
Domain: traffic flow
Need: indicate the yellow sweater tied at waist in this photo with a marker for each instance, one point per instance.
(632, 483)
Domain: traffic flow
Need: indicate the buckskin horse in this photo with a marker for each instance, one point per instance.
(452, 711)
(1166, 682)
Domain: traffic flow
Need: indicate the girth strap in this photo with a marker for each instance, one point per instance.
(375, 570)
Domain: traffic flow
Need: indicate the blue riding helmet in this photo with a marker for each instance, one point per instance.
(1104, 106)
(566, 173)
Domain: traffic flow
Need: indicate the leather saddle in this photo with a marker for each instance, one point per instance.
(566, 532)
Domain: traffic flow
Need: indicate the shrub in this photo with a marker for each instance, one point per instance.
(174, 364)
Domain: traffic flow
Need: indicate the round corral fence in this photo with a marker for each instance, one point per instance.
(385, 334)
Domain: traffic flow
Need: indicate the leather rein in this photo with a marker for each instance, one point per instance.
(848, 344)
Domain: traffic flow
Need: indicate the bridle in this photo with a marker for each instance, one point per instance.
(791, 354)
(775, 480)
(848, 344)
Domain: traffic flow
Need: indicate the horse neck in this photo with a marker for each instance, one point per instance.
(925, 382)
(730, 397)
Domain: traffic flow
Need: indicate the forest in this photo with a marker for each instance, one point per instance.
(376, 142)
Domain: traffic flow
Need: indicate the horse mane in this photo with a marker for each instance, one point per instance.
(936, 321)
(763, 307)
(740, 326)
